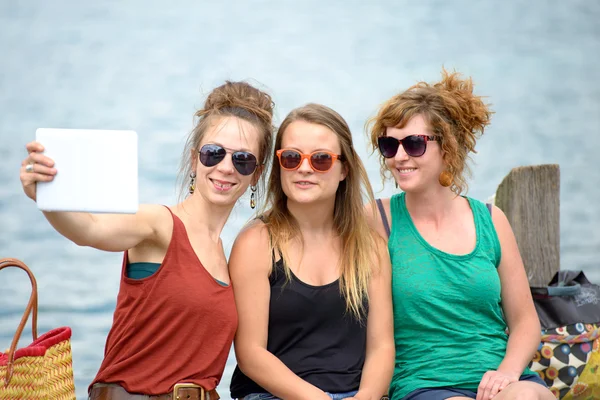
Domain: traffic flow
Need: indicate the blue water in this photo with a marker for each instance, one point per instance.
(146, 65)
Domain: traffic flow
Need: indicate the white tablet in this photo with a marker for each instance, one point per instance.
(97, 171)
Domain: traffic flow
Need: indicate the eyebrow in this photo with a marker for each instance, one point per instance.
(314, 151)
(230, 149)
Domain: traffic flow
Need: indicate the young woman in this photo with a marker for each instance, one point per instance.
(458, 280)
(311, 279)
(175, 316)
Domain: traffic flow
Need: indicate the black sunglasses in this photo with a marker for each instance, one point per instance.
(414, 145)
(244, 162)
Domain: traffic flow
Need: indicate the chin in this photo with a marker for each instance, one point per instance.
(303, 199)
(407, 186)
(221, 200)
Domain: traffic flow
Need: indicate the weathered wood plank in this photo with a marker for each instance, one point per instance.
(530, 198)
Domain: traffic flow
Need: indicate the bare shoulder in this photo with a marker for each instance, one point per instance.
(154, 211)
(500, 221)
(375, 218)
(159, 220)
(254, 233)
(155, 215)
(252, 243)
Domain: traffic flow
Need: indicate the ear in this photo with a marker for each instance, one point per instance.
(256, 176)
(344, 172)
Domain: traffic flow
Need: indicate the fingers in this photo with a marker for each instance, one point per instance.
(38, 169)
(38, 173)
(35, 151)
(483, 390)
(34, 147)
(504, 384)
(38, 158)
(31, 173)
(497, 386)
(491, 384)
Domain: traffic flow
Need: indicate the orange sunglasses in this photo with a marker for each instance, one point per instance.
(319, 161)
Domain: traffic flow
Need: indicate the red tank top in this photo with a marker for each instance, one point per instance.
(176, 325)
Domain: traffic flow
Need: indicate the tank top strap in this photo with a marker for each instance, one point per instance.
(178, 225)
(180, 242)
(397, 210)
(487, 231)
(384, 217)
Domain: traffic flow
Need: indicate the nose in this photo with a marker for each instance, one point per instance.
(401, 154)
(226, 165)
(305, 166)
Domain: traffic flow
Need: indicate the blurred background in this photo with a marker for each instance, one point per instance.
(147, 66)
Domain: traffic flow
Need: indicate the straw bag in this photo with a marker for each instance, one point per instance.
(43, 370)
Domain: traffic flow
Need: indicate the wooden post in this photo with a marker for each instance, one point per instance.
(530, 198)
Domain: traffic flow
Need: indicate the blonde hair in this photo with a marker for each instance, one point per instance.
(358, 240)
(452, 112)
(232, 99)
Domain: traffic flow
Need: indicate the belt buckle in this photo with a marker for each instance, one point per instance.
(188, 385)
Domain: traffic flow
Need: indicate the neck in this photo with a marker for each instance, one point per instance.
(205, 216)
(431, 204)
(313, 218)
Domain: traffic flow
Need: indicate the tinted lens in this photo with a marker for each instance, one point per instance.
(388, 146)
(321, 161)
(211, 155)
(290, 159)
(244, 162)
(414, 146)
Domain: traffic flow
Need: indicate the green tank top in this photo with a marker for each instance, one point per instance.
(448, 323)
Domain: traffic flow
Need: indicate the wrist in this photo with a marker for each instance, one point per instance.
(365, 395)
(511, 372)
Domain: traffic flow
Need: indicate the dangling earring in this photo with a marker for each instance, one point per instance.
(192, 182)
(253, 197)
(446, 178)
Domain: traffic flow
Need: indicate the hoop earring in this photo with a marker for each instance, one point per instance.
(446, 178)
(192, 182)
(253, 197)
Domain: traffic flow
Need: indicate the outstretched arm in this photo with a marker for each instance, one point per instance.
(111, 232)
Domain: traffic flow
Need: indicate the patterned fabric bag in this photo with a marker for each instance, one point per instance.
(43, 370)
(568, 358)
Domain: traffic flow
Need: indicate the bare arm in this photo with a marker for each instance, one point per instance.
(249, 267)
(379, 363)
(116, 232)
(519, 311)
(517, 303)
(109, 232)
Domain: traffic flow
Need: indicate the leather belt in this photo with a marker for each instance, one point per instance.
(181, 391)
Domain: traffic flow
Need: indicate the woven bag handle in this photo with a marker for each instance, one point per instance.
(32, 305)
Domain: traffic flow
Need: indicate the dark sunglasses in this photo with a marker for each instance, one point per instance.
(244, 162)
(414, 145)
(320, 161)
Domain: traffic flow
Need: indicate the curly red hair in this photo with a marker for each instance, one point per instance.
(452, 112)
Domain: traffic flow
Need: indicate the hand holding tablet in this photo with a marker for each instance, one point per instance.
(97, 171)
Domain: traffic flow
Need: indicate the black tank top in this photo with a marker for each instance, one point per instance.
(311, 332)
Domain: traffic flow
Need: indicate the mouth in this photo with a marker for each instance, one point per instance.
(304, 184)
(222, 186)
(403, 171)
